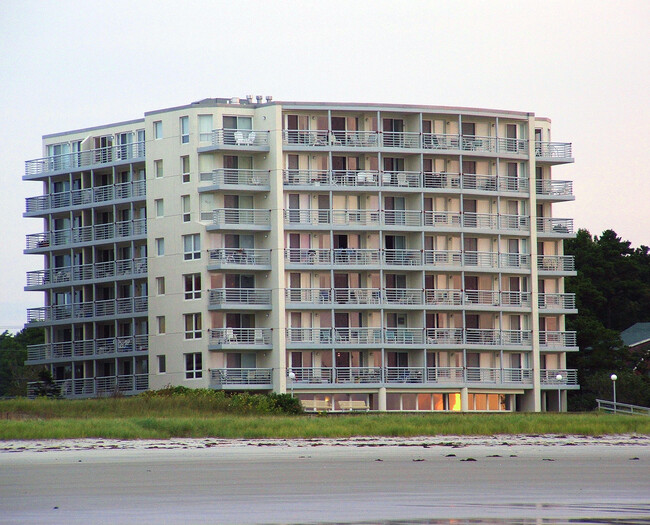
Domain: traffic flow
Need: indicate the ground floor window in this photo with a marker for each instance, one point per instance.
(193, 366)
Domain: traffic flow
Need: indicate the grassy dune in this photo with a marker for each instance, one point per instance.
(180, 416)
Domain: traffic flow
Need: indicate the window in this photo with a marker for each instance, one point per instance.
(185, 205)
(193, 366)
(157, 130)
(185, 168)
(160, 322)
(192, 246)
(160, 246)
(192, 286)
(185, 129)
(160, 207)
(160, 285)
(158, 168)
(193, 326)
(205, 128)
(162, 364)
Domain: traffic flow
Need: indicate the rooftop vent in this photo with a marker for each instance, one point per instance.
(249, 98)
(269, 98)
(234, 100)
(259, 98)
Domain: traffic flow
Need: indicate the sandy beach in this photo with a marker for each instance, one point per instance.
(370, 480)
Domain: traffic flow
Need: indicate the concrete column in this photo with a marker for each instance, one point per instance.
(464, 399)
(381, 400)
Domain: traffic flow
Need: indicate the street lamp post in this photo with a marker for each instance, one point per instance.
(614, 377)
(292, 377)
(559, 394)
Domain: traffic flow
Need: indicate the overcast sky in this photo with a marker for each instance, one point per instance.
(585, 64)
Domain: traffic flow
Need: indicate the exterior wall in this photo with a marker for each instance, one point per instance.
(445, 300)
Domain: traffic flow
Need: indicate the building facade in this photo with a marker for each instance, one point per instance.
(387, 257)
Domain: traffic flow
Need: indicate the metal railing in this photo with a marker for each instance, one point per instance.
(99, 232)
(244, 138)
(89, 347)
(562, 339)
(553, 225)
(555, 150)
(549, 377)
(556, 263)
(243, 177)
(250, 296)
(241, 376)
(241, 256)
(86, 272)
(554, 188)
(86, 387)
(240, 336)
(557, 301)
(86, 310)
(82, 159)
(252, 217)
(621, 408)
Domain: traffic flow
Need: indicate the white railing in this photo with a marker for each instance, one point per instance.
(402, 257)
(405, 374)
(252, 296)
(403, 296)
(99, 232)
(556, 263)
(309, 335)
(553, 225)
(401, 139)
(86, 310)
(309, 296)
(443, 297)
(87, 387)
(621, 408)
(253, 217)
(81, 159)
(244, 138)
(87, 272)
(554, 188)
(559, 339)
(241, 336)
(549, 377)
(562, 301)
(241, 376)
(442, 218)
(243, 177)
(291, 177)
(345, 336)
(443, 257)
(241, 256)
(555, 150)
(303, 137)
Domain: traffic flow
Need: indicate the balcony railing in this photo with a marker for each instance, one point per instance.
(240, 336)
(554, 226)
(110, 307)
(554, 150)
(244, 138)
(242, 177)
(239, 296)
(99, 232)
(241, 376)
(241, 216)
(87, 196)
(557, 339)
(86, 272)
(548, 377)
(87, 348)
(82, 159)
(240, 256)
(554, 188)
(89, 387)
(557, 301)
(556, 263)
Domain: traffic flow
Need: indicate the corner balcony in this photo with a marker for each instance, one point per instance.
(238, 219)
(240, 339)
(82, 349)
(239, 299)
(569, 380)
(236, 180)
(238, 140)
(36, 206)
(92, 387)
(241, 378)
(475, 143)
(88, 311)
(557, 303)
(555, 228)
(239, 258)
(121, 269)
(553, 152)
(77, 161)
(562, 265)
(554, 190)
(38, 242)
(558, 341)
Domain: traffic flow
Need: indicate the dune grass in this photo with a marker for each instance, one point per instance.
(183, 416)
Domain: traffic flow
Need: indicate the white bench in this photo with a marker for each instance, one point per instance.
(354, 405)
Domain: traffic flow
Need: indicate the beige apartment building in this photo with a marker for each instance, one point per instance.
(361, 256)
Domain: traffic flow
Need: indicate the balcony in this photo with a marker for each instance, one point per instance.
(556, 264)
(240, 219)
(241, 378)
(237, 179)
(327, 218)
(88, 310)
(308, 139)
(238, 140)
(557, 302)
(554, 190)
(555, 228)
(558, 340)
(240, 338)
(84, 159)
(121, 269)
(235, 258)
(553, 152)
(85, 197)
(87, 348)
(548, 378)
(239, 298)
(84, 234)
(91, 387)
